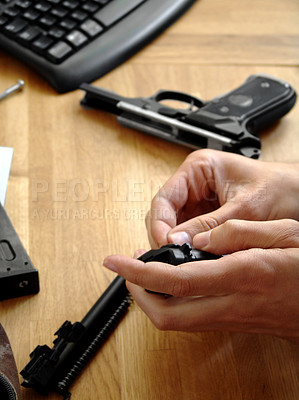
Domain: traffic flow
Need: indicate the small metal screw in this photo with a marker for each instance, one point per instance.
(14, 88)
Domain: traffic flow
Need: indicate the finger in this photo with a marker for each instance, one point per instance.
(235, 235)
(183, 314)
(186, 231)
(191, 183)
(213, 277)
(156, 230)
(163, 213)
(260, 307)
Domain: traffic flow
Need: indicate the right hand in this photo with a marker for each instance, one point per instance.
(253, 289)
(211, 187)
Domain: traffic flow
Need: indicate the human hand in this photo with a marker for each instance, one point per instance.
(211, 187)
(253, 289)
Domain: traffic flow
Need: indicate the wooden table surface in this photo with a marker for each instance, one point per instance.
(81, 185)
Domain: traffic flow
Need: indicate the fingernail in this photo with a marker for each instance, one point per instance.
(202, 239)
(108, 264)
(179, 238)
(139, 253)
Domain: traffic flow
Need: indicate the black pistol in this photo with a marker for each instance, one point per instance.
(230, 122)
(56, 368)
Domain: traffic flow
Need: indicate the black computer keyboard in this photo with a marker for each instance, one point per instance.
(71, 41)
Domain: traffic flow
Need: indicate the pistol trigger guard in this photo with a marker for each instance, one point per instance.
(178, 96)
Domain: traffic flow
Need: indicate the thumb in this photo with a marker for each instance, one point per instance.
(185, 232)
(235, 235)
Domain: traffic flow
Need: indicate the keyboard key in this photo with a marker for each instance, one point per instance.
(11, 12)
(56, 33)
(23, 4)
(68, 24)
(79, 15)
(102, 2)
(116, 10)
(76, 38)
(91, 28)
(31, 15)
(90, 7)
(71, 4)
(42, 43)
(42, 6)
(59, 52)
(59, 12)
(15, 26)
(29, 34)
(3, 20)
(47, 21)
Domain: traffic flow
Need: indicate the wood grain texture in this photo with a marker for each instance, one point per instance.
(81, 185)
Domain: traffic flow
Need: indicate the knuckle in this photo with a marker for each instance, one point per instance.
(164, 321)
(243, 207)
(232, 224)
(234, 231)
(258, 277)
(139, 277)
(199, 160)
(290, 231)
(233, 227)
(181, 284)
(207, 223)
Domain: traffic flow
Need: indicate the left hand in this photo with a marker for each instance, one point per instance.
(253, 289)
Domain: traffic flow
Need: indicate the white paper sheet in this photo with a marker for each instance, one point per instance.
(6, 154)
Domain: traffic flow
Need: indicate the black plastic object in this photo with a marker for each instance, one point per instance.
(175, 254)
(18, 277)
(230, 122)
(56, 369)
(73, 42)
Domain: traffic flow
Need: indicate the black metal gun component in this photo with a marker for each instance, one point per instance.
(18, 277)
(175, 254)
(56, 368)
(230, 122)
